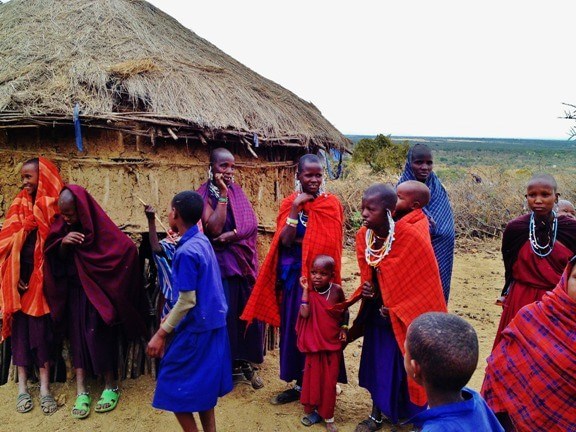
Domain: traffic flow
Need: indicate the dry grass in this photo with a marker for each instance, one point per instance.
(481, 210)
(107, 54)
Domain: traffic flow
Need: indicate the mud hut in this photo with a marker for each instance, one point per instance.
(152, 98)
(129, 103)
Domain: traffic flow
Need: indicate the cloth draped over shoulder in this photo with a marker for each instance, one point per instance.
(321, 330)
(409, 281)
(163, 263)
(516, 235)
(107, 265)
(244, 250)
(531, 374)
(441, 223)
(324, 235)
(23, 217)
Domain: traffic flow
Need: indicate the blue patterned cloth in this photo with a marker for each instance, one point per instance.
(163, 263)
(442, 231)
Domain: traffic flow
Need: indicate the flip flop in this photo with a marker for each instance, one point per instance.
(287, 396)
(311, 419)
(82, 406)
(24, 403)
(48, 404)
(108, 400)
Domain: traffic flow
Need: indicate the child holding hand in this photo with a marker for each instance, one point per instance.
(322, 330)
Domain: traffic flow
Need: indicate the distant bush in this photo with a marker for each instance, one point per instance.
(381, 154)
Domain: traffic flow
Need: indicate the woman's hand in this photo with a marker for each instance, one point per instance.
(220, 183)
(343, 337)
(22, 286)
(367, 290)
(73, 238)
(302, 199)
(225, 238)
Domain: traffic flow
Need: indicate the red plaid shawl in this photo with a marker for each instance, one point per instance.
(23, 217)
(324, 235)
(409, 280)
(531, 374)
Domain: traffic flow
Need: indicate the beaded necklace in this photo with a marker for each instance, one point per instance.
(537, 248)
(375, 256)
(327, 291)
(303, 218)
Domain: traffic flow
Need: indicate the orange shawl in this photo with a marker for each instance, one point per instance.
(24, 216)
(409, 280)
(324, 236)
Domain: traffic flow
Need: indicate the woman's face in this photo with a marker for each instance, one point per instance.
(311, 178)
(224, 164)
(422, 164)
(374, 213)
(541, 197)
(29, 175)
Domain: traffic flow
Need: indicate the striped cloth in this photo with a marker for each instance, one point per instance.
(324, 235)
(24, 216)
(163, 263)
(531, 374)
(408, 278)
(441, 223)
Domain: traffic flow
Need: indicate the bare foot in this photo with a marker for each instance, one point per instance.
(331, 427)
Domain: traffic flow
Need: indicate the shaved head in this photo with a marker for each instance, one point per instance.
(325, 262)
(543, 178)
(384, 194)
(417, 190)
(218, 153)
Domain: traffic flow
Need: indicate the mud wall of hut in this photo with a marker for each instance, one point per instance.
(117, 168)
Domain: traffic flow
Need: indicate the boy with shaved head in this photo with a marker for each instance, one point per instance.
(412, 195)
(441, 355)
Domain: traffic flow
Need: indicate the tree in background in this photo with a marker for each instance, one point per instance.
(570, 114)
(381, 154)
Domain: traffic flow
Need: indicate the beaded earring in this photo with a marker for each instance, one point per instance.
(210, 174)
(297, 184)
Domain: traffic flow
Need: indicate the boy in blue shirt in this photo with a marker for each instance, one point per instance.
(195, 369)
(441, 355)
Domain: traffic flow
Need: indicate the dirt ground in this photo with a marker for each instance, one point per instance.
(477, 280)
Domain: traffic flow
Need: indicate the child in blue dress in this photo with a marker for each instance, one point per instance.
(195, 369)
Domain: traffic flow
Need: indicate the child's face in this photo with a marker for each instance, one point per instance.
(311, 177)
(320, 275)
(541, 197)
(571, 289)
(374, 213)
(567, 210)
(171, 219)
(408, 360)
(29, 175)
(405, 203)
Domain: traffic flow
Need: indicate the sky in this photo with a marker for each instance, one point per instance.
(491, 68)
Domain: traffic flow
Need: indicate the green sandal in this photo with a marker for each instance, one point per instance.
(81, 408)
(108, 400)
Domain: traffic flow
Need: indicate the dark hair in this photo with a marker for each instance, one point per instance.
(419, 149)
(324, 261)
(308, 159)
(385, 193)
(544, 177)
(34, 161)
(214, 154)
(446, 347)
(189, 205)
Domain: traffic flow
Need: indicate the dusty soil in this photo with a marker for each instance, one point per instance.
(477, 280)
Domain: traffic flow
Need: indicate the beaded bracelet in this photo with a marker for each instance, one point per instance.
(291, 222)
(223, 200)
(344, 326)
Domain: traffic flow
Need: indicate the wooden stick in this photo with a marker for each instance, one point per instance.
(156, 216)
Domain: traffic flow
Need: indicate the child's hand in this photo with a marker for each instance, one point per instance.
(73, 239)
(384, 312)
(155, 348)
(150, 212)
(343, 337)
(22, 286)
(367, 290)
(304, 283)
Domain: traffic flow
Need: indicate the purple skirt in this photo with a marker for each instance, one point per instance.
(382, 370)
(32, 340)
(244, 344)
(93, 343)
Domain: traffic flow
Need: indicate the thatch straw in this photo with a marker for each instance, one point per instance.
(126, 55)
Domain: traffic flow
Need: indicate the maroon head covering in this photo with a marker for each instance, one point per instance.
(106, 262)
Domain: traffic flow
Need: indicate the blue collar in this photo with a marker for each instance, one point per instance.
(191, 232)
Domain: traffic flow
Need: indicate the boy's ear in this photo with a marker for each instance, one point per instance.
(417, 374)
(416, 205)
(175, 213)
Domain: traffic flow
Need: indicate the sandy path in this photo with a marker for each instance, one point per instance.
(477, 280)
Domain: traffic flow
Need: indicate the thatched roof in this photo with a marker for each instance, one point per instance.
(130, 66)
